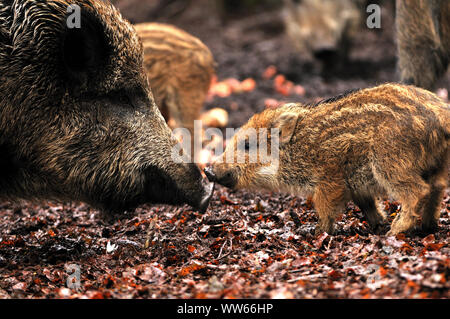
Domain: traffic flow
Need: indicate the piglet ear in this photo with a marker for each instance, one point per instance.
(286, 123)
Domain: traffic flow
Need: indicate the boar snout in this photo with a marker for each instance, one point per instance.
(181, 185)
(210, 174)
(200, 200)
(226, 177)
(204, 203)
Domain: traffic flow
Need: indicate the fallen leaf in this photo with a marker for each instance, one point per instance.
(269, 72)
(335, 275)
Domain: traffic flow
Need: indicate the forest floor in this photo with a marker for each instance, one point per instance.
(247, 245)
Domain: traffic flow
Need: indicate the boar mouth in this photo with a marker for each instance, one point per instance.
(160, 188)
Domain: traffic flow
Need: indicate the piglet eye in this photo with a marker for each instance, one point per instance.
(247, 145)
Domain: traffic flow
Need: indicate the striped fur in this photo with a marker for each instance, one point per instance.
(179, 68)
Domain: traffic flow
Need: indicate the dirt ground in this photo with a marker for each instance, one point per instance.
(247, 245)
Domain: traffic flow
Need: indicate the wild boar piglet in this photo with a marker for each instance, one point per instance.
(387, 140)
(179, 68)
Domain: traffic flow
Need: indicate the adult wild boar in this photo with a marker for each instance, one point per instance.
(423, 40)
(77, 117)
(391, 139)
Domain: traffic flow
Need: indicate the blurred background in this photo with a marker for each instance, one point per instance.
(291, 50)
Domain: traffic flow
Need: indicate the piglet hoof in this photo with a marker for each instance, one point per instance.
(320, 230)
(430, 228)
(394, 232)
(391, 233)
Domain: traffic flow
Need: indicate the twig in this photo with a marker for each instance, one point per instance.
(231, 250)
(305, 278)
(221, 248)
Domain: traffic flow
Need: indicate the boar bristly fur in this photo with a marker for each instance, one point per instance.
(387, 140)
(77, 117)
(423, 40)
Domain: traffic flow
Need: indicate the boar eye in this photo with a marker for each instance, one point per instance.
(124, 99)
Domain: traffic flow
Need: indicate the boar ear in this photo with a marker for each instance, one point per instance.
(84, 48)
(286, 123)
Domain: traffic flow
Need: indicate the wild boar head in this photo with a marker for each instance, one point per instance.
(78, 120)
(253, 156)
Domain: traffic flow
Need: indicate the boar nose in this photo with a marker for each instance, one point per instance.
(210, 174)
